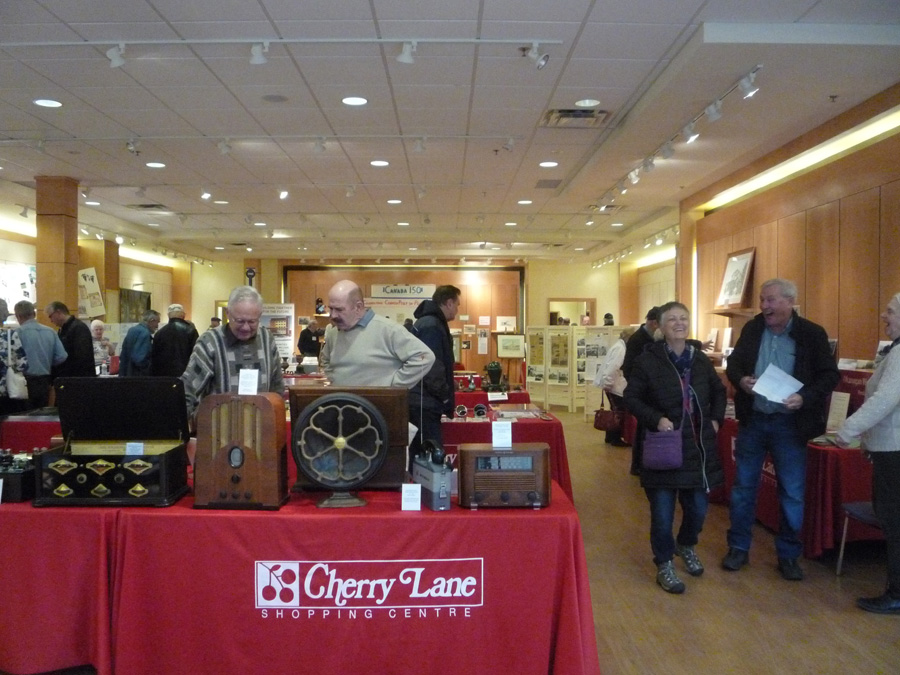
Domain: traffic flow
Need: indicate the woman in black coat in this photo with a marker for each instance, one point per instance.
(664, 376)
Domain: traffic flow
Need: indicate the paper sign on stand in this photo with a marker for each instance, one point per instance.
(501, 434)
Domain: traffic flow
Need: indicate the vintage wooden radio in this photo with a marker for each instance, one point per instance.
(241, 459)
(504, 477)
(391, 402)
(124, 444)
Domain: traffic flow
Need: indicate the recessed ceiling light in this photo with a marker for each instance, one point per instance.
(413, 248)
(394, 201)
(616, 224)
(579, 248)
(156, 165)
(92, 203)
(220, 248)
(510, 224)
(152, 224)
(354, 100)
(379, 162)
(284, 194)
(47, 103)
(548, 165)
(220, 201)
(205, 195)
(403, 224)
(525, 202)
(259, 224)
(587, 103)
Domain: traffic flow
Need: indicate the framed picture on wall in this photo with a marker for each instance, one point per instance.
(511, 346)
(736, 279)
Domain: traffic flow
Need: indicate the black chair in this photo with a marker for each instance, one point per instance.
(864, 513)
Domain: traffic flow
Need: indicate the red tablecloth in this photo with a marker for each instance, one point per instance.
(23, 433)
(55, 575)
(523, 431)
(472, 398)
(190, 585)
(834, 476)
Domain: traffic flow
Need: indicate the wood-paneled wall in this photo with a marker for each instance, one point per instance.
(485, 292)
(834, 231)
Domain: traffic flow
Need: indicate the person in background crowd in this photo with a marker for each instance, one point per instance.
(137, 352)
(433, 396)
(103, 349)
(409, 325)
(674, 385)
(309, 344)
(220, 354)
(634, 347)
(173, 344)
(778, 337)
(11, 356)
(214, 322)
(877, 421)
(608, 320)
(609, 376)
(365, 350)
(43, 350)
(77, 341)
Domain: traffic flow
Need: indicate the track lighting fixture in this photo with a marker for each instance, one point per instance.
(24, 212)
(406, 54)
(648, 165)
(634, 176)
(689, 133)
(141, 192)
(351, 190)
(283, 194)
(666, 151)
(120, 239)
(510, 144)
(419, 145)
(540, 60)
(114, 54)
(420, 193)
(224, 147)
(747, 85)
(257, 54)
(132, 147)
(714, 111)
(319, 146)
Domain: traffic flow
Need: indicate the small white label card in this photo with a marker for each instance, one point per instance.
(134, 448)
(501, 434)
(411, 497)
(837, 411)
(497, 396)
(249, 381)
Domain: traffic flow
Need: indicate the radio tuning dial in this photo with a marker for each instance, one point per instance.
(504, 497)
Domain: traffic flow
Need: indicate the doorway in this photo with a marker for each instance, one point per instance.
(571, 311)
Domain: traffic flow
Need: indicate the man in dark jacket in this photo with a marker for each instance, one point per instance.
(77, 341)
(433, 395)
(635, 346)
(173, 344)
(134, 359)
(777, 337)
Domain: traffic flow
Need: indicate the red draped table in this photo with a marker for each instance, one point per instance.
(523, 431)
(367, 590)
(55, 574)
(834, 476)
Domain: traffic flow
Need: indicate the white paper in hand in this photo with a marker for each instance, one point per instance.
(776, 385)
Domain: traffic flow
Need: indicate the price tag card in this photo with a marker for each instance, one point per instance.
(501, 434)
(497, 396)
(249, 381)
(134, 448)
(411, 497)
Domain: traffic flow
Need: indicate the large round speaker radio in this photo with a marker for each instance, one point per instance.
(340, 441)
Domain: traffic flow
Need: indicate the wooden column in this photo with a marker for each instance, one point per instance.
(56, 250)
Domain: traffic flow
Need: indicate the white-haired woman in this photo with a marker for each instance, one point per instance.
(877, 422)
(103, 349)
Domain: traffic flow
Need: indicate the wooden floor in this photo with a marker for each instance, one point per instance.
(751, 621)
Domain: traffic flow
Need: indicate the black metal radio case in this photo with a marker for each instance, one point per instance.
(124, 445)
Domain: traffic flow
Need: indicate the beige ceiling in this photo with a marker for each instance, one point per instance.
(471, 100)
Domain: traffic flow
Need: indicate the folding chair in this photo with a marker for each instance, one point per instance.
(864, 513)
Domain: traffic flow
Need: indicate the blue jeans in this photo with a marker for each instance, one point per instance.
(776, 434)
(694, 504)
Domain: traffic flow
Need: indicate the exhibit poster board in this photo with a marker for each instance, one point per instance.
(279, 319)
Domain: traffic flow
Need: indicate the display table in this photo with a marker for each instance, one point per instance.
(833, 476)
(523, 431)
(190, 595)
(55, 574)
(472, 398)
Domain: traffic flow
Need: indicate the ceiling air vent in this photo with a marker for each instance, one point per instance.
(574, 118)
(149, 207)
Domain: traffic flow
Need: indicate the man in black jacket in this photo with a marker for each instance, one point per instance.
(433, 395)
(77, 340)
(173, 344)
(635, 346)
(777, 337)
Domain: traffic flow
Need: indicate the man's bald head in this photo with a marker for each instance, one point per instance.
(346, 305)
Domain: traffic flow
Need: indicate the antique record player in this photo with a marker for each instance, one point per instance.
(124, 444)
(241, 459)
(387, 405)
